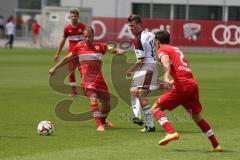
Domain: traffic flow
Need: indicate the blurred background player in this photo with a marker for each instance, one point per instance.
(184, 91)
(10, 31)
(74, 32)
(144, 72)
(35, 27)
(2, 27)
(89, 55)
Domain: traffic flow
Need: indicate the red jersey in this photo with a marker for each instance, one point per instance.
(74, 34)
(90, 63)
(180, 70)
(35, 28)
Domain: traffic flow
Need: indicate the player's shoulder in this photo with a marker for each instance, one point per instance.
(81, 44)
(68, 26)
(167, 47)
(164, 49)
(147, 36)
(81, 25)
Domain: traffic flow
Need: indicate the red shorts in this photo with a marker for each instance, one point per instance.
(100, 88)
(187, 95)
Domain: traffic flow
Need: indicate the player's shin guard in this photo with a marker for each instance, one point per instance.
(149, 118)
(205, 127)
(96, 114)
(136, 107)
(162, 119)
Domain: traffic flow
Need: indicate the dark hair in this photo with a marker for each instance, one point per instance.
(163, 36)
(89, 28)
(10, 18)
(136, 18)
(74, 11)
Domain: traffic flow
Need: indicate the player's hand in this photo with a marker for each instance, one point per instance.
(52, 71)
(171, 82)
(168, 84)
(162, 85)
(118, 51)
(121, 51)
(154, 107)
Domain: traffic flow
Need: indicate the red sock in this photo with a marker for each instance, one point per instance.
(205, 127)
(162, 119)
(96, 114)
(71, 77)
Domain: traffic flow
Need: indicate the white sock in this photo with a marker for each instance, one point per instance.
(148, 114)
(136, 107)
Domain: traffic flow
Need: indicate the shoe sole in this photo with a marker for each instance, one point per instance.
(165, 142)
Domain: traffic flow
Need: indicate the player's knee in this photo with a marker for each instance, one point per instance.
(143, 101)
(134, 91)
(196, 117)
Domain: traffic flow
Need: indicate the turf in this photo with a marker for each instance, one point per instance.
(26, 98)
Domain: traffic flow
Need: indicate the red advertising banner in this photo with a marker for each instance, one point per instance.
(184, 33)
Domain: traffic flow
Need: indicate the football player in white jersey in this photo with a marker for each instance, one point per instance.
(144, 72)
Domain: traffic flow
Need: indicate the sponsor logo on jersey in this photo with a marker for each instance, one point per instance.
(97, 47)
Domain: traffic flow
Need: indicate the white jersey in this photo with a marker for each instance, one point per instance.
(144, 47)
(10, 28)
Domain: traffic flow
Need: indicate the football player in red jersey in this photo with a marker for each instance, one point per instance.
(183, 90)
(89, 55)
(74, 33)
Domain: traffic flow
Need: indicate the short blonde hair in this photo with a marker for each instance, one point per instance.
(89, 29)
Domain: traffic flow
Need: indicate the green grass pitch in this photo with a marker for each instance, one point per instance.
(26, 99)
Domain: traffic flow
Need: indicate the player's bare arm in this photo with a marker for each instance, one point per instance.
(135, 67)
(115, 50)
(166, 65)
(62, 43)
(63, 61)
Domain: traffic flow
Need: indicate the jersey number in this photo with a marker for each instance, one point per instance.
(181, 56)
(152, 47)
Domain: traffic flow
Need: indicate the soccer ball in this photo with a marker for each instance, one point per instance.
(45, 128)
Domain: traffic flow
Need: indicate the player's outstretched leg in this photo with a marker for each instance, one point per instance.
(171, 134)
(205, 127)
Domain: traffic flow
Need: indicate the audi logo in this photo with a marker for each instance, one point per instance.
(230, 34)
